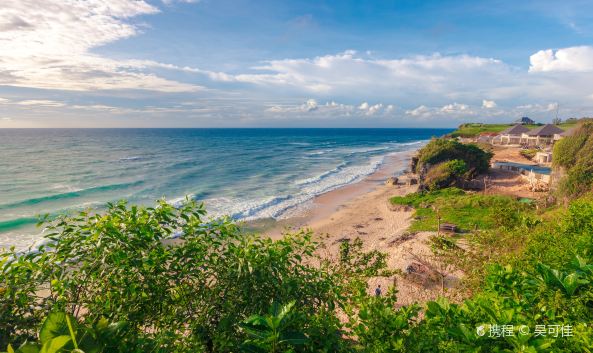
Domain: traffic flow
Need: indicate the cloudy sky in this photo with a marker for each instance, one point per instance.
(306, 63)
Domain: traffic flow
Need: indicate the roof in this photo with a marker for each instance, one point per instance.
(514, 130)
(546, 130)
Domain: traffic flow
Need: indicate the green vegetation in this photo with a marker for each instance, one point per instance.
(468, 211)
(191, 294)
(575, 155)
(445, 174)
(443, 150)
(446, 162)
(113, 283)
(475, 129)
(528, 153)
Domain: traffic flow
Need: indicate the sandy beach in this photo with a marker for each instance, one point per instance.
(362, 210)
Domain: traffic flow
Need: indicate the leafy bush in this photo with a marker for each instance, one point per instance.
(528, 153)
(184, 295)
(439, 151)
(575, 154)
(445, 174)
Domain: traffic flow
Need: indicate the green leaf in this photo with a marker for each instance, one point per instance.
(570, 283)
(56, 344)
(53, 326)
(28, 347)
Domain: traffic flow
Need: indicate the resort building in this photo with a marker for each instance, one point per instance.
(525, 121)
(512, 135)
(543, 157)
(541, 136)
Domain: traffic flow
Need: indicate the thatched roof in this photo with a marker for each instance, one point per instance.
(515, 130)
(546, 130)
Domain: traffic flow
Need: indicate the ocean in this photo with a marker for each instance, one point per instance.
(245, 173)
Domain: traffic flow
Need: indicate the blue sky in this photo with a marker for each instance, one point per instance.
(239, 63)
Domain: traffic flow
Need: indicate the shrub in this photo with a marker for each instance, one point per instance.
(575, 154)
(529, 154)
(174, 295)
(443, 150)
(445, 174)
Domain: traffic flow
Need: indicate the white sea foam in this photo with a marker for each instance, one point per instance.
(279, 207)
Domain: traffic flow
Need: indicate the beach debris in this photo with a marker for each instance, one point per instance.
(411, 181)
(401, 239)
(378, 219)
(358, 226)
(421, 274)
(398, 208)
(448, 228)
(392, 181)
(342, 240)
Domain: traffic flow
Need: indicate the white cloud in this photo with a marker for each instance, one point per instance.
(419, 111)
(41, 102)
(47, 44)
(573, 59)
(488, 104)
(348, 73)
(455, 108)
(370, 109)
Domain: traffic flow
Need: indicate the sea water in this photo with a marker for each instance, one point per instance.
(244, 173)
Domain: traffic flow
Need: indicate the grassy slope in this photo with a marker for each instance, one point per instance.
(467, 211)
(472, 130)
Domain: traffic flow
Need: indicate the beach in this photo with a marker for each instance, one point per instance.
(363, 210)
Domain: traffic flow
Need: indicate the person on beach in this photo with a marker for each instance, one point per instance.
(378, 291)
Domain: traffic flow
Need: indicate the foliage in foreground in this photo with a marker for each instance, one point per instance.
(182, 294)
(218, 290)
(575, 155)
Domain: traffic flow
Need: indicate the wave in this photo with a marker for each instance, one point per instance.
(17, 223)
(278, 206)
(132, 158)
(68, 195)
(321, 176)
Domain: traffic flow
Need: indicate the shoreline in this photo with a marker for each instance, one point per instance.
(363, 210)
(323, 207)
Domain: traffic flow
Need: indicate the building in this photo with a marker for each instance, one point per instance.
(525, 121)
(541, 135)
(543, 157)
(512, 135)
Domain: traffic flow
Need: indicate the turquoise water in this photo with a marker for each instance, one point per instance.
(527, 167)
(245, 173)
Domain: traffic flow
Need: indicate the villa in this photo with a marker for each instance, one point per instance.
(512, 135)
(541, 136)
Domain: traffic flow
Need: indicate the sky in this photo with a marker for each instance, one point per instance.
(308, 63)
